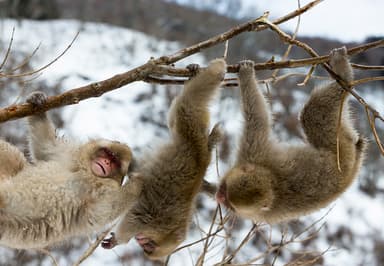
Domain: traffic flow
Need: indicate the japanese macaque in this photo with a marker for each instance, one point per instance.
(173, 176)
(274, 181)
(67, 190)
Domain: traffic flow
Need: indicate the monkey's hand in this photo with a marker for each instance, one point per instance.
(340, 63)
(246, 69)
(37, 98)
(194, 69)
(109, 243)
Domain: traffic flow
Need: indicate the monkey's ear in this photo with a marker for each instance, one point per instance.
(133, 165)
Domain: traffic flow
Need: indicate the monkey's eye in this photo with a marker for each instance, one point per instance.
(113, 157)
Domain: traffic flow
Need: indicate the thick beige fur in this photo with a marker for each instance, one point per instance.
(57, 196)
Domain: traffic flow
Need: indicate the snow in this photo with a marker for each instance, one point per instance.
(343, 20)
(102, 51)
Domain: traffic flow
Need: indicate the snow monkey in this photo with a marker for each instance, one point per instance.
(67, 190)
(273, 181)
(172, 177)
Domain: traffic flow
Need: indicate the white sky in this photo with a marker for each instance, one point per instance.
(360, 18)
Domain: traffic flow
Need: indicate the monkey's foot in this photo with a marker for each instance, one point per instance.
(193, 68)
(109, 243)
(147, 244)
(338, 59)
(246, 69)
(37, 98)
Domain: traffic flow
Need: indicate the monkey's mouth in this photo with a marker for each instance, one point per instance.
(146, 243)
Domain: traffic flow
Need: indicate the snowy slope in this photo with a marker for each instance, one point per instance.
(102, 51)
(337, 25)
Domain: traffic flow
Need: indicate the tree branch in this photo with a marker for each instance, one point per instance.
(97, 89)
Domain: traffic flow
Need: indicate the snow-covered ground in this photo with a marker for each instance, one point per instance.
(102, 51)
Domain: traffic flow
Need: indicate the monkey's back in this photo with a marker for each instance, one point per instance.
(172, 178)
(306, 179)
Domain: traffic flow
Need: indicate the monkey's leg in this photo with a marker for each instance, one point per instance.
(42, 131)
(11, 160)
(257, 117)
(320, 115)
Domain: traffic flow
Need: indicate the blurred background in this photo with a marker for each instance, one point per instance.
(117, 35)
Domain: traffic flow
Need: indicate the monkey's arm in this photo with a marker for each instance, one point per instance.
(11, 160)
(189, 115)
(41, 130)
(257, 117)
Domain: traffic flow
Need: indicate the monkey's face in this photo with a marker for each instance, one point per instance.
(109, 159)
(246, 191)
(106, 163)
(158, 245)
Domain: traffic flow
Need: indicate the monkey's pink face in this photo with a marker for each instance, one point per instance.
(106, 163)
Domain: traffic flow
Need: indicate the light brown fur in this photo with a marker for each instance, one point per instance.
(273, 181)
(58, 196)
(173, 175)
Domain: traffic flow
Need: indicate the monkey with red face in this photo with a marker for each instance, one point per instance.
(67, 190)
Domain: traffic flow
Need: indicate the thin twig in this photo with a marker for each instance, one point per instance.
(200, 260)
(289, 48)
(92, 247)
(243, 242)
(24, 62)
(46, 252)
(8, 49)
(338, 130)
(12, 75)
(365, 67)
(371, 121)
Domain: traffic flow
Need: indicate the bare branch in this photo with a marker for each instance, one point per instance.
(76, 95)
(8, 49)
(13, 75)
